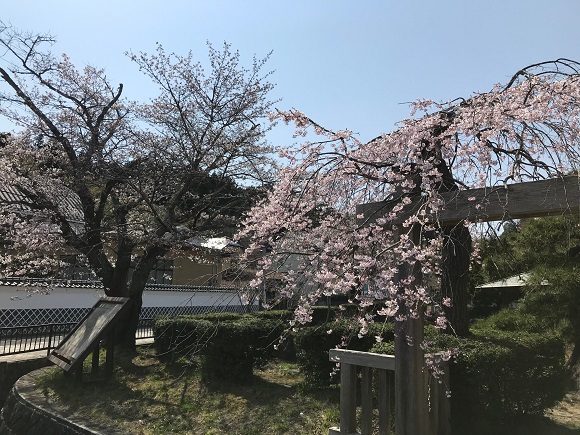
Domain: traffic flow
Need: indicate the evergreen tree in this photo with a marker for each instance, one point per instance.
(549, 249)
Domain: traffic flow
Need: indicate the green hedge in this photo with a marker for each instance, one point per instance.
(230, 344)
(513, 373)
(313, 342)
(499, 375)
(281, 315)
(325, 314)
(511, 320)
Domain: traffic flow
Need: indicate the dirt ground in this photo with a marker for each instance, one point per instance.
(567, 412)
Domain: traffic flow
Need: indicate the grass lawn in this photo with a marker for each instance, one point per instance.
(147, 396)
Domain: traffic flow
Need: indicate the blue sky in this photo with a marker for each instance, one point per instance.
(346, 64)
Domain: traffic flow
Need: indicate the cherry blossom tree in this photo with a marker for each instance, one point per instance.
(143, 178)
(522, 131)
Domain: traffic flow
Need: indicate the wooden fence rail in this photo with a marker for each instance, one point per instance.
(350, 361)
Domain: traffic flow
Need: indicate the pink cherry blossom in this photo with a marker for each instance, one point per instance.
(525, 130)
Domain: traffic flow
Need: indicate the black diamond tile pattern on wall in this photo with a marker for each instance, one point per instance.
(11, 318)
(28, 317)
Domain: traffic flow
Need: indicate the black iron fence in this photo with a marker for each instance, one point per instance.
(20, 339)
(144, 329)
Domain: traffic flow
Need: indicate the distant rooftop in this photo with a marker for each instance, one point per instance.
(216, 243)
(518, 280)
(67, 202)
(97, 285)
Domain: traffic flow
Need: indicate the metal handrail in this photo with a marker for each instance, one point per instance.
(32, 338)
(29, 338)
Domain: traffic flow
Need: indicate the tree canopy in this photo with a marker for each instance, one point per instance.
(527, 129)
(144, 176)
(546, 250)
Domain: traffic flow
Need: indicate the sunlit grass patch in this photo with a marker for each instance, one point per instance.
(146, 396)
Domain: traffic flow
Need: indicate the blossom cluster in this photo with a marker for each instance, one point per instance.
(318, 245)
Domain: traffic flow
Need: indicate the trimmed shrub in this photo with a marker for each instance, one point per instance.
(230, 345)
(385, 348)
(282, 315)
(499, 375)
(238, 346)
(510, 373)
(313, 343)
(322, 315)
(284, 349)
(511, 320)
(218, 317)
(180, 335)
(345, 312)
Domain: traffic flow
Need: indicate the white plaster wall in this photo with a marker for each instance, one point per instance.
(154, 298)
(32, 297)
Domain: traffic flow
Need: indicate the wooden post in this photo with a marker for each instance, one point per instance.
(95, 361)
(349, 361)
(347, 398)
(440, 411)
(411, 410)
(366, 425)
(551, 197)
(79, 373)
(109, 366)
(385, 385)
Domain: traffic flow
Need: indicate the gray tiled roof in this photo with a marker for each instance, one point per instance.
(512, 281)
(63, 283)
(67, 202)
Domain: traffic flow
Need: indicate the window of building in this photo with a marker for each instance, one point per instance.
(213, 281)
(74, 267)
(162, 273)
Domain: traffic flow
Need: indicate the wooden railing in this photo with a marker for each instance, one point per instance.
(350, 362)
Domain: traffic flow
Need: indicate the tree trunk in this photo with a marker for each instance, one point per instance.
(116, 286)
(456, 256)
(128, 325)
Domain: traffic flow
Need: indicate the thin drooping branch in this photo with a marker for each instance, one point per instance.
(526, 130)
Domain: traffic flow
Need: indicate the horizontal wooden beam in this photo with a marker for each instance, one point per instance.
(362, 359)
(551, 197)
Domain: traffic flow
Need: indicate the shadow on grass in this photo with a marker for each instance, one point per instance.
(261, 389)
(525, 425)
(171, 398)
(537, 426)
